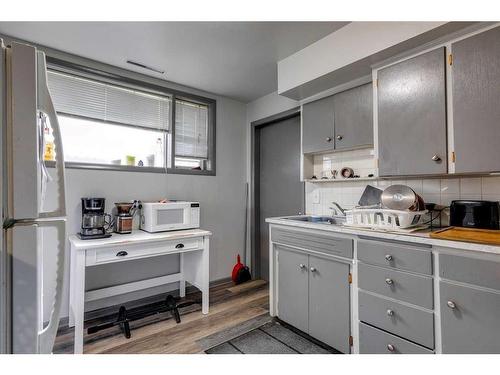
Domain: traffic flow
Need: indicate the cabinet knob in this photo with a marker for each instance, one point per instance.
(390, 312)
(312, 269)
(328, 139)
(302, 266)
(339, 137)
(451, 305)
(179, 246)
(388, 257)
(436, 158)
(121, 254)
(389, 281)
(390, 347)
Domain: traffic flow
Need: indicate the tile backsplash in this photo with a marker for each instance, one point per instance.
(437, 190)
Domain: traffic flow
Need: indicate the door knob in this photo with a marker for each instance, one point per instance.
(313, 269)
(451, 305)
(389, 281)
(390, 312)
(436, 158)
(328, 139)
(302, 266)
(388, 257)
(339, 137)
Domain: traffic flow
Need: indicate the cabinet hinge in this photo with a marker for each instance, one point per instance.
(450, 59)
(453, 157)
(350, 278)
(350, 341)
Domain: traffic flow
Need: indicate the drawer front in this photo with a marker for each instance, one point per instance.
(403, 286)
(321, 242)
(408, 322)
(470, 320)
(468, 270)
(393, 255)
(375, 341)
(128, 252)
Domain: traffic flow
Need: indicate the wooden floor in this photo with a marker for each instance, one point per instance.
(231, 307)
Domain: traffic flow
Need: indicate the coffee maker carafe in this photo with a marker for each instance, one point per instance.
(94, 219)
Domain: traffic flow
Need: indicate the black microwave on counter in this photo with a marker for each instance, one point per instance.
(475, 214)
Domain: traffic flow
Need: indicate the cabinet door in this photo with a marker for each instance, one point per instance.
(476, 103)
(354, 117)
(329, 313)
(317, 126)
(293, 288)
(469, 319)
(412, 116)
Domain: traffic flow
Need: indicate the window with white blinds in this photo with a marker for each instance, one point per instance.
(73, 95)
(191, 130)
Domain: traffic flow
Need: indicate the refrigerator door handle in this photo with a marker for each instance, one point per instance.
(47, 335)
(46, 106)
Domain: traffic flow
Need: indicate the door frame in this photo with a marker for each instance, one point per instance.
(256, 126)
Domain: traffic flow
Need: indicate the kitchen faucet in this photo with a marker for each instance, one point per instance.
(338, 209)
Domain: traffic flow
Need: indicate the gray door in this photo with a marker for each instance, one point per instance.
(329, 317)
(469, 319)
(354, 117)
(476, 102)
(317, 126)
(412, 116)
(280, 191)
(293, 288)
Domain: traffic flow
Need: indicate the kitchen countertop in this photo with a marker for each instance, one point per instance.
(421, 237)
(136, 236)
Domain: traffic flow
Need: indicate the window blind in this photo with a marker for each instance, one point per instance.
(191, 130)
(103, 101)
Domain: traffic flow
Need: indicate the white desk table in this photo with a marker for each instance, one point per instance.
(192, 245)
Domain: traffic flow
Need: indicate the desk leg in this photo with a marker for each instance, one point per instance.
(182, 283)
(205, 282)
(72, 276)
(78, 301)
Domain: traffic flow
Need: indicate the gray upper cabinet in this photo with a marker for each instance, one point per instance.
(293, 271)
(353, 113)
(476, 104)
(329, 312)
(317, 126)
(412, 116)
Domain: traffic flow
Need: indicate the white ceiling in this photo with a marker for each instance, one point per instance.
(234, 59)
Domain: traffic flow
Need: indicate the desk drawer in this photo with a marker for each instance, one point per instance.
(375, 341)
(125, 252)
(408, 322)
(403, 286)
(394, 255)
(321, 242)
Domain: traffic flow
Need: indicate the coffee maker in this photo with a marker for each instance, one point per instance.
(94, 219)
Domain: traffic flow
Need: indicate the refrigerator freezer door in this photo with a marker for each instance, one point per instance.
(32, 332)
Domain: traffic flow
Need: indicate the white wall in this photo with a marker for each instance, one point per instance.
(221, 198)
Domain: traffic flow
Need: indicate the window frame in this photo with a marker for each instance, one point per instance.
(64, 66)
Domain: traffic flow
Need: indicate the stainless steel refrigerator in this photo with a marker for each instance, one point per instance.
(26, 112)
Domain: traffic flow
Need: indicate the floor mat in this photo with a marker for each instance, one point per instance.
(272, 338)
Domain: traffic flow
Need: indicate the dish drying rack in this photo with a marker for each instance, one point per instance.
(383, 218)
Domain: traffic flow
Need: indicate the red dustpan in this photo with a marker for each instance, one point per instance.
(241, 273)
(237, 267)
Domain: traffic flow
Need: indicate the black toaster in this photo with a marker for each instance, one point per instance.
(474, 214)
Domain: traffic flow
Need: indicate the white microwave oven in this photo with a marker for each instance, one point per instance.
(173, 215)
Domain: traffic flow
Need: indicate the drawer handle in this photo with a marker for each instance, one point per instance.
(451, 305)
(179, 246)
(121, 254)
(390, 347)
(389, 281)
(390, 312)
(313, 269)
(302, 266)
(388, 257)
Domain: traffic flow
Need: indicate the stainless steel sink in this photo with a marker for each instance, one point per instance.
(330, 220)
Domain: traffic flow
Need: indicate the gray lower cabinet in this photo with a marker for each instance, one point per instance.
(475, 74)
(293, 287)
(470, 319)
(329, 312)
(314, 296)
(353, 111)
(412, 116)
(317, 126)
